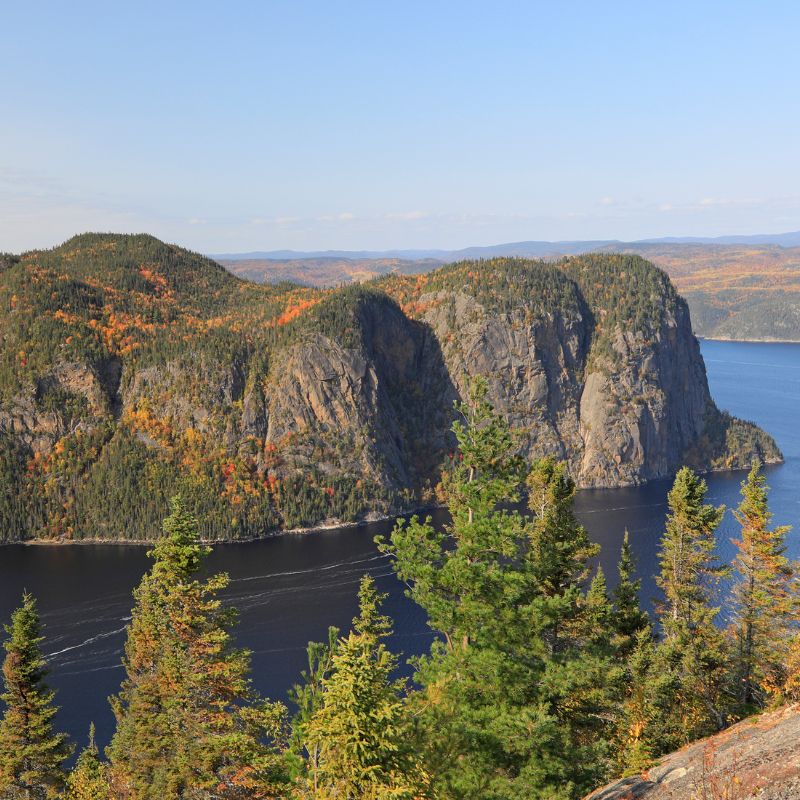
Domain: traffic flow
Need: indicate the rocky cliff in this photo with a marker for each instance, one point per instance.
(593, 360)
(757, 758)
(132, 369)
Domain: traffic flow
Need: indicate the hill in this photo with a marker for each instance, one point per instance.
(324, 271)
(748, 292)
(132, 370)
(735, 290)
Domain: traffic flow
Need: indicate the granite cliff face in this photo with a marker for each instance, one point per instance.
(608, 379)
(132, 370)
(375, 404)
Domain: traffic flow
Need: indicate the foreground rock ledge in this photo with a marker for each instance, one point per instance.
(757, 758)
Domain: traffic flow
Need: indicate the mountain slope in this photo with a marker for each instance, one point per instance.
(132, 369)
(324, 271)
(747, 292)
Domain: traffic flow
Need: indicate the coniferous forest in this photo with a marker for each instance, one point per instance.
(540, 683)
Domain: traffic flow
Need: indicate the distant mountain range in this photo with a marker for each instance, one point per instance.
(529, 249)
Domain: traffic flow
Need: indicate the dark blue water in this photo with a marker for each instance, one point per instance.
(289, 589)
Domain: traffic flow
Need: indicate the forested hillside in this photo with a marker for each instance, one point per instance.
(325, 271)
(734, 290)
(131, 370)
(747, 292)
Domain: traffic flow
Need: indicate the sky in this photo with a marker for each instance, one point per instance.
(239, 126)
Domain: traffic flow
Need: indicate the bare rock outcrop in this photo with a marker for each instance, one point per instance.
(757, 758)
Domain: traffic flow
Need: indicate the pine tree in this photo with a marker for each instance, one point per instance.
(692, 656)
(32, 754)
(88, 779)
(596, 614)
(687, 553)
(764, 596)
(557, 553)
(560, 548)
(187, 719)
(514, 697)
(634, 648)
(361, 730)
(637, 732)
(484, 473)
(628, 617)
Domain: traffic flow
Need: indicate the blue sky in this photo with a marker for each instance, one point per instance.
(308, 125)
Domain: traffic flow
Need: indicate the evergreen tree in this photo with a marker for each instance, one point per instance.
(764, 596)
(457, 572)
(32, 754)
(638, 732)
(187, 719)
(691, 657)
(633, 647)
(581, 679)
(307, 697)
(514, 695)
(596, 614)
(88, 779)
(362, 728)
(687, 554)
(560, 548)
(628, 617)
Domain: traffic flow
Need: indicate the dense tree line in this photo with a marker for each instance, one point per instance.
(539, 685)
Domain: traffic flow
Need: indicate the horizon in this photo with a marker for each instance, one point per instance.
(407, 252)
(397, 127)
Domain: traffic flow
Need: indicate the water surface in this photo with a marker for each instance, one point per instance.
(290, 588)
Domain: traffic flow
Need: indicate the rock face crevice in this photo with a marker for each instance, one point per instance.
(380, 408)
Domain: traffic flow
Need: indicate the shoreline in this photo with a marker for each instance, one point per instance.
(746, 341)
(371, 518)
(319, 528)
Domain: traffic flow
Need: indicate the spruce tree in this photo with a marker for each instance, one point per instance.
(88, 779)
(628, 617)
(559, 545)
(307, 697)
(32, 754)
(361, 730)
(633, 648)
(187, 719)
(691, 656)
(581, 679)
(764, 597)
(687, 554)
(596, 614)
(638, 731)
